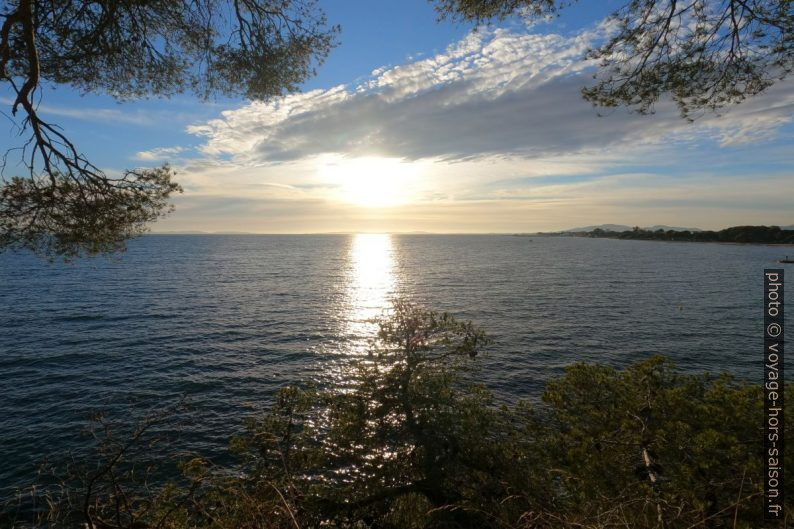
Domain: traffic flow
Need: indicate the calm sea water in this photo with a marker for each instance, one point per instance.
(226, 320)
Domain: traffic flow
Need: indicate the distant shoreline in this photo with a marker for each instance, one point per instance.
(779, 244)
(766, 235)
(586, 235)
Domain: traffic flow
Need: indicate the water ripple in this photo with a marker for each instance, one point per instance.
(226, 320)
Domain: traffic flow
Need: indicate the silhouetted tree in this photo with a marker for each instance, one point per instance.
(742, 234)
(65, 205)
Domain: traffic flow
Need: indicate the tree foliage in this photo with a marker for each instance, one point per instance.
(68, 216)
(131, 49)
(735, 234)
(410, 440)
(704, 53)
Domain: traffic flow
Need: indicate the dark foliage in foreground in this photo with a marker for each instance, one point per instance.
(412, 442)
(68, 219)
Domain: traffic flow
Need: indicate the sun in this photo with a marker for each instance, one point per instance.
(372, 182)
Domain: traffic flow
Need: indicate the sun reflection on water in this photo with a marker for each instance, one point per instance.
(371, 285)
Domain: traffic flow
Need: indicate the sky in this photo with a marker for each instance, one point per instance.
(415, 124)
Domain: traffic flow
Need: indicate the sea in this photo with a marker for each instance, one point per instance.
(221, 322)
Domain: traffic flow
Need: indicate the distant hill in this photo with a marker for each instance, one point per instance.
(623, 227)
(604, 227)
(668, 228)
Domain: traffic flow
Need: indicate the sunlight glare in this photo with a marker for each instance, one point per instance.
(372, 182)
(372, 283)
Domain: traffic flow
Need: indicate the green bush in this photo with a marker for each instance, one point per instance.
(412, 441)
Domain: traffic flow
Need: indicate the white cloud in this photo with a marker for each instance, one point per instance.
(159, 153)
(498, 139)
(493, 93)
(91, 114)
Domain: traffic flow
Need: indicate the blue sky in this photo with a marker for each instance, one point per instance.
(418, 125)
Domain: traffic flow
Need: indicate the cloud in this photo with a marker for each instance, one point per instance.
(631, 198)
(159, 153)
(490, 135)
(494, 93)
(90, 114)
